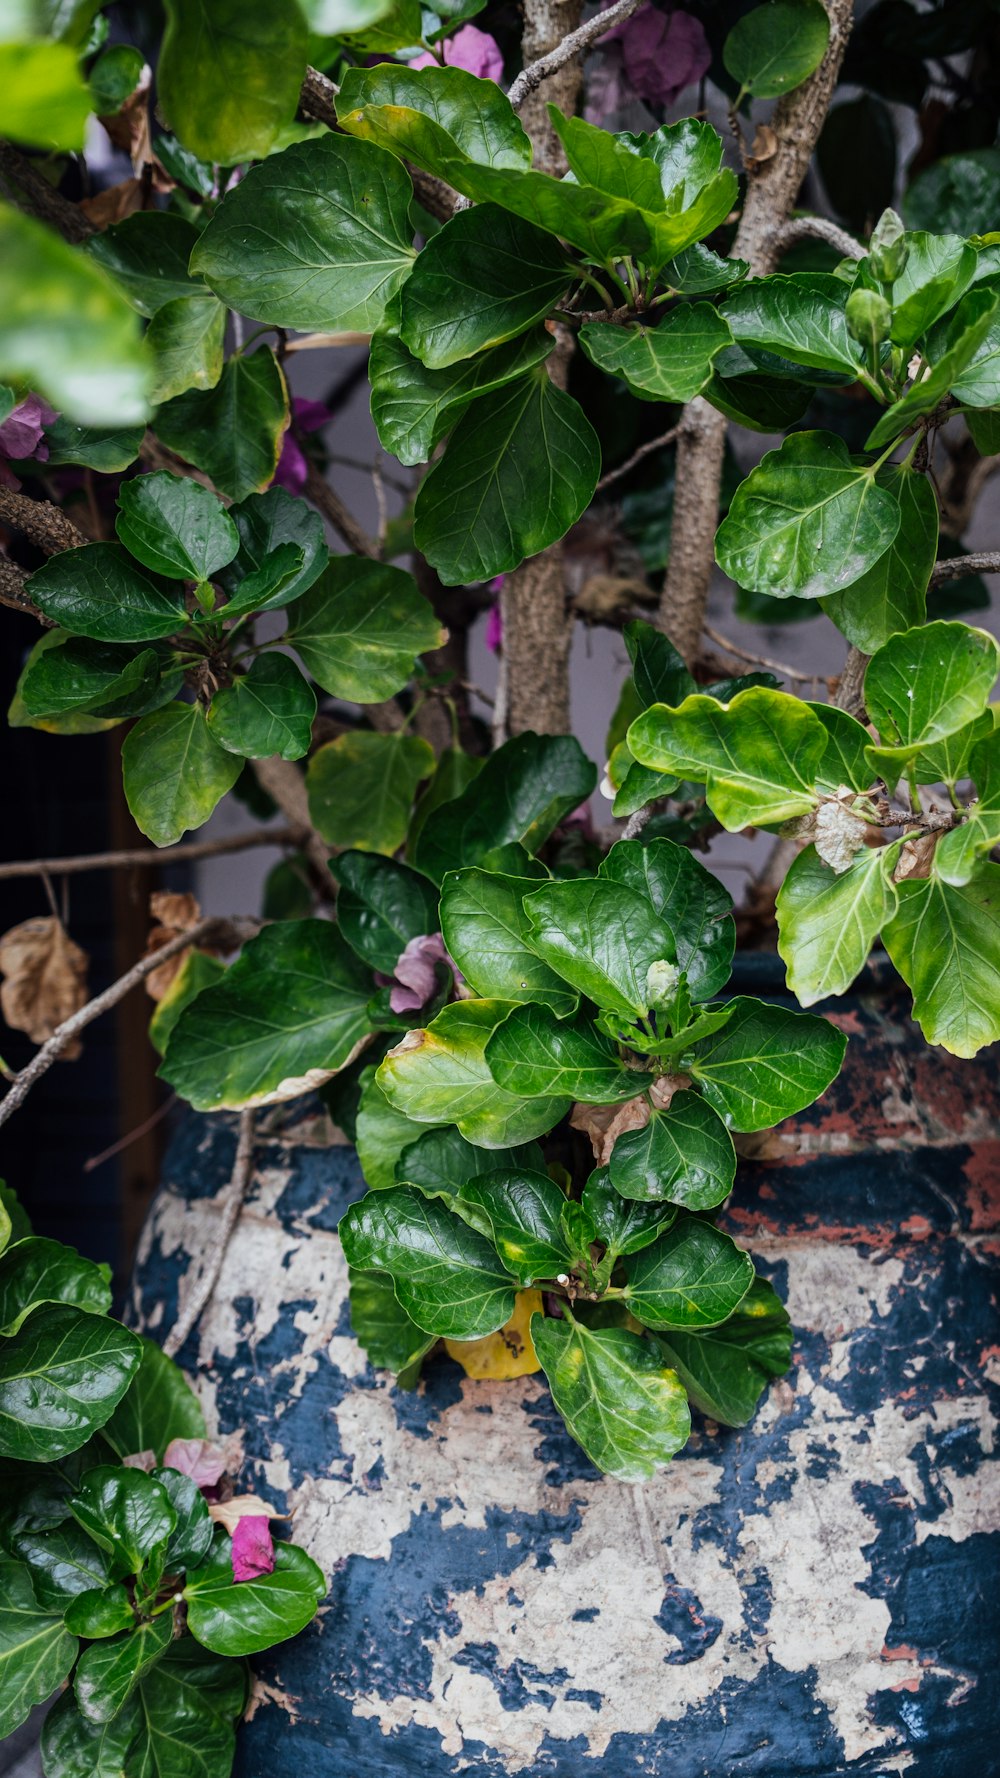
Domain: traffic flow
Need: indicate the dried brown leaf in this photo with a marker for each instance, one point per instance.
(114, 204)
(605, 1123)
(242, 1506)
(175, 913)
(45, 979)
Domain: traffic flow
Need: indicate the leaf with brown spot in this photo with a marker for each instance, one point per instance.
(45, 979)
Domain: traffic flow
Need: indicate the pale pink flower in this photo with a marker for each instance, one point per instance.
(204, 1462)
(415, 975)
(474, 50)
(663, 53)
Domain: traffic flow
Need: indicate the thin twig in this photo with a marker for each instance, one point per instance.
(143, 1129)
(644, 450)
(530, 78)
(201, 1294)
(341, 518)
(953, 567)
(757, 660)
(819, 228)
(146, 856)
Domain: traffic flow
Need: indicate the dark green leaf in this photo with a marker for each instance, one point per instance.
(382, 1327)
(691, 1277)
(524, 789)
(801, 318)
(725, 1369)
(267, 711)
(179, 1724)
(265, 522)
(174, 526)
(191, 1537)
(945, 942)
(892, 595)
(698, 270)
(602, 938)
(684, 1154)
(160, 1406)
(521, 1213)
(102, 448)
(61, 1378)
(108, 1672)
(777, 46)
(381, 905)
(957, 193)
(622, 1224)
(446, 1275)
(440, 1075)
(937, 271)
(98, 591)
(486, 929)
(671, 362)
(766, 1063)
(127, 1514)
(360, 627)
(689, 899)
(234, 431)
(36, 1649)
(114, 77)
(174, 773)
(430, 115)
(658, 671)
(965, 335)
(76, 1748)
(381, 1134)
(362, 785)
(229, 75)
(441, 1163)
(147, 254)
(618, 1400)
(242, 1617)
(63, 1560)
(101, 1611)
(38, 1270)
(532, 1054)
(827, 922)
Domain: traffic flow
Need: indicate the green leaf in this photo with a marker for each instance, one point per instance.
(101, 1611)
(801, 318)
(360, 628)
(765, 1063)
(63, 1561)
(362, 785)
(382, 1133)
(36, 1649)
(287, 1014)
(618, 1400)
(446, 1276)
(807, 520)
(174, 773)
(160, 1406)
(671, 362)
(777, 46)
(147, 255)
(725, 1369)
(689, 899)
(95, 447)
(76, 1748)
(191, 1537)
(242, 1617)
(127, 1515)
(937, 271)
(65, 330)
(957, 853)
(397, 26)
(892, 595)
(845, 760)
(186, 338)
(174, 526)
(45, 103)
(945, 942)
(947, 762)
(682, 196)
(742, 390)
(382, 1327)
(61, 1378)
(623, 1225)
(381, 905)
(522, 792)
(65, 673)
(180, 1723)
(98, 591)
(659, 673)
(486, 930)
(197, 971)
(430, 115)
(108, 1672)
(978, 385)
(757, 756)
(114, 78)
(532, 1054)
(14, 1219)
(265, 522)
(827, 923)
(519, 469)
(317, 237)
(691, 1277)
(234, 431)
(229, 75)
(38, 1270)
(522, 1215)
(684, 1154)
(441, 1163)
(601, 937)
(440, 1075)
(924, 685)
(267, 711)
(967, 330)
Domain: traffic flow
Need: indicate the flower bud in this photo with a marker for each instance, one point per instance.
(662, 982)
(869, 317)
(887, 249)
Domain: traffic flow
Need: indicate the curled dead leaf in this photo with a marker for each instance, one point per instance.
(915, 857)
(242, 1506)
(605, 1123)
(45, 979)
(764, 145)
(174, 913)
(115, 203)
(665, 1086)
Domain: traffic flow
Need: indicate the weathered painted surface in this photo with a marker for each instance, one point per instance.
(818, 1594)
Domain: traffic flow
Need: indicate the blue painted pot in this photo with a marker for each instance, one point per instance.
(813, 1595)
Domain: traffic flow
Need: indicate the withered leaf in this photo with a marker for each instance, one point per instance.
(45, 979)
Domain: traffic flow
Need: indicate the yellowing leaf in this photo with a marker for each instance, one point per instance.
(507, 1353)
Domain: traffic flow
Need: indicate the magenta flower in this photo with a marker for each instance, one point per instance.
(22, 435)
(293, 466)
(474, 50)
(253, 1548)
(415, 977)
(663, 53)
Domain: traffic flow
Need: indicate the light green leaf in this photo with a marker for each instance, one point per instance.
(43, 101)
(287, 1014)
(725, 1369)
(382, 1327)
(801, 318)
(486, 930)
(926, 684)
(601, 937)
(361, 788)
(892, 595)
(38, 1270)
(827, 923)
(98, 591)
(967, 330)
(397, 26)
(382, 1133)
(484, 278)
(845, 760)
(186, 339)
(671, 362)
(242, 1617)
(945, 942)
(360, 627)
(618, 1399)
(267, 711)
(807, 520)
(381, 905)
(937, 271)
(174, 773)
(36, 1649)
(522, 792)
(229, 75)
(445, 1274)
(174, 526)
(317, 237)
(689, 899)
(147, 255)
(957, 853)
(691, 1277)
(61, 1378)
(96, 447)
(160, 1405)
(777, 46)
(234, 431)
(430, 115)
(765, 1063)
(758, 756)
(440, 1075)
(197, 971)
(532, 1053)
(684, 1154)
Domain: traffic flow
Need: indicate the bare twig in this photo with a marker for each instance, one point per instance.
(149, 1123)
(144, 858)
(286, 786)
(636, 822)
(317, 99)
(341, 518)
(236, 1191)
(757, 660)
(41, 522)
(27, 187)
(819, 228)
(531, 78)
(321, 342)
(644, 450)
(12, 592)
(850, 694)
(953, 567)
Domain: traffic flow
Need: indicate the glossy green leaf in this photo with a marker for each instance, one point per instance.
(428, 115)
(392, 27)
(160, 1406)
(747, 394)
(725, 1369)
(601, 937)
(381, 905)
(807, 520)
(757, 756)
(967, 330)
(147, 255)
(180, 1722)
(925, 684)
(519, 469)
(61, 1378)
(938, 269)
(957, 853)
(978, 385)
(533, 1053)
(174, 526)
(36, 1649)
(381, 1325)
(198, 970)
(191, 1536)
(101, 1611)
(947, 761)
(360, 628)
(316, 237)
(229, 74)
(774, 48)
(827, 923)
(689, 899)
(242, 1617)
(108, 449)
(440, 1075)
(45, 103)
(234, 431)
(76, 1748)
(186, 339)
(98, 591)
(362, 785)
(522, 1215)
(845, 758)
(892, 595)
(684, 1154)
(486, 930)
(267, 711)
(673, 176)
(659, 673)
(289, 1012)
(68, 673)
(174, 773)
(441, 1163)
(38, 1270)
(622, 1224)
(945, 942)
(114, 78)
(381, 1134)
(265, 523)
(127, 1515)
(765, 1063)
(801, 318)
(66, 331)
(671, 362)
(523, 791)
(618, 1399)
(445, 1274)
(692, 1276)
(108, 1672)
(63, 1561)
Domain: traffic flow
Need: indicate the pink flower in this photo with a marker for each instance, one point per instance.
(494, 623)
(415, 975)
(22, 435)
(474, 50)
(293, 467)
(663, 53)
(196, 1457)
(253, 1549)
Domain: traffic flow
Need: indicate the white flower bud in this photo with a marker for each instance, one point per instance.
(662, 981)
(839, 836)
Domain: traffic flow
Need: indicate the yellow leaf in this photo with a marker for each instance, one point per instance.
(506, 1353)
